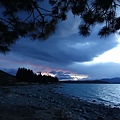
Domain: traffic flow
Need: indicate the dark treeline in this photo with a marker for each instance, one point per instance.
(27, 75)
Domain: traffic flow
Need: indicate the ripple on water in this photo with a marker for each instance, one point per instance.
(108, 94)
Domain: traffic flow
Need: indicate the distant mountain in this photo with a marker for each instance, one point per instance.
(86, 82)
(111, 80)
(98, 81)
(6, 78)
(2, 73)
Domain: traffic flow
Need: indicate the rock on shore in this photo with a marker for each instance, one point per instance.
(39, 102)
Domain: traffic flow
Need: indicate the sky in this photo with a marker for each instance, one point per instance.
(66, 54)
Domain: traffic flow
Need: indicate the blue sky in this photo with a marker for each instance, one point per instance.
(66, 54)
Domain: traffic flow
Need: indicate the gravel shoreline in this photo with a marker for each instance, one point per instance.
(39, 102)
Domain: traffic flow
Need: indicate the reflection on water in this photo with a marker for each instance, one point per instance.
(108, 94)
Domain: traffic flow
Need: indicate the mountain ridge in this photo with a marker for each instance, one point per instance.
(6, 78)
(2, 73)
(111, 80)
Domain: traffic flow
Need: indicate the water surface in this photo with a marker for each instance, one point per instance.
(108, 94)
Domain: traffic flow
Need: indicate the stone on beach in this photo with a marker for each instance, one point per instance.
(42, 103)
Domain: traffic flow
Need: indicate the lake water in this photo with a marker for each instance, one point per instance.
(108, 94)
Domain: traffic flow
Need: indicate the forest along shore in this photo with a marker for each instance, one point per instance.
(39, 102)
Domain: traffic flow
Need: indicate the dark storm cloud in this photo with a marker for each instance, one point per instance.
(53, 72)
(62, 50)
(96, 71)
(62, 75)
(66, 46)
(66, 50)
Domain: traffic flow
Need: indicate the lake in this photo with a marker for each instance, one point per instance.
(108, 94)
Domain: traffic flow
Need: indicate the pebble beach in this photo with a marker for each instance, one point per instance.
(40, 102)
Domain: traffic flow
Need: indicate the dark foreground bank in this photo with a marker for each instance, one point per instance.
(39, 102)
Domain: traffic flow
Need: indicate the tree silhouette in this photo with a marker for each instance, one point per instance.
(27, 75)
(24, 74)
(20, 18)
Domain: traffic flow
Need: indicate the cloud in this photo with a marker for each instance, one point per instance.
(62, 75)
(66, 50)
(53, 72)
(68, 27)
(96, 71)
(66, 46)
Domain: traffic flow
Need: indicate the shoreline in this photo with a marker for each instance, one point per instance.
(93, 100)
(40, 102)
